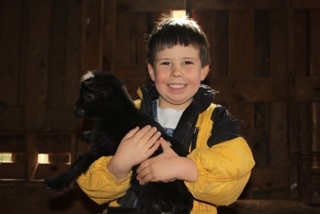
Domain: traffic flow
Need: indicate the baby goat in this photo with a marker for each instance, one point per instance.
(104, 100)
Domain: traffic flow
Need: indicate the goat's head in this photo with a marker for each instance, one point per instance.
(98, 92)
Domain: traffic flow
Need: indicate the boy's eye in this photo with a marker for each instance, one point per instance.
(165, 63)
(188, 63)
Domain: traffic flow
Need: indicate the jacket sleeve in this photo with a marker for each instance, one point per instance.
(224, 170)
(100, 185)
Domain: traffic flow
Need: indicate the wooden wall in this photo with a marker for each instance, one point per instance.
(265, 58)
(265, 63)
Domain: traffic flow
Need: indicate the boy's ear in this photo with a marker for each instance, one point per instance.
(204, 72)
(151, 72)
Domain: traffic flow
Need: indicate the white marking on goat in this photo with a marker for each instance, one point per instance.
(87, 76)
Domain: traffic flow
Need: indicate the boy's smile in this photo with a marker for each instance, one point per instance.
(177, 74)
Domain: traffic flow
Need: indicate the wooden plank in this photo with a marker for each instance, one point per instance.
(141, 29)
(1, 14)
(73, 54)
(84, 26)
(241, 64)
(56, 59)
(315, 73)
(32, 155)
(75, 141)
(237, 4)
(278, 48)
(125, 30)
(273, 206)
(261, 140)
(63, 119)
(301, 69)
(36, 68)
(109, 34)
(135, 26)
(133, 78)
(262, 121)
(216, 26)
(278, 110)
(146, 5)
(241, 43)
(250, 89)
(314, 16)
(315, 109)
(12, 143)
(13, 171)
(304, 134)
(270, 178)
(10, 63)
(24, 59)
(60, 158)
(262, 43)
(93, 51)
(305, 4)
(18, 157)
(300, 43)
(279, 155)
(53, 142)
(307, 89)
(11, 118)
(44, 171)
(292, 108)
(10, 51)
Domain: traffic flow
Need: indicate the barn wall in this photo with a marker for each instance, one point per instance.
(265, 64)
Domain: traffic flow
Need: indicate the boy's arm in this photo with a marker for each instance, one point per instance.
(223, 171)
(100, 185)
(108, 178)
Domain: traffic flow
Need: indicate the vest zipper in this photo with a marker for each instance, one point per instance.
(194, 138)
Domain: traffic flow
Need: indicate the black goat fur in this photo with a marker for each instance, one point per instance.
(105, 100)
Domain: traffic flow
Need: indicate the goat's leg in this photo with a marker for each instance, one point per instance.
(81, 165)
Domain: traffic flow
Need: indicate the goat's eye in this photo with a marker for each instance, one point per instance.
(89, 96)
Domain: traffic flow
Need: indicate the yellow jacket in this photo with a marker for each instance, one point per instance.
(223, 158)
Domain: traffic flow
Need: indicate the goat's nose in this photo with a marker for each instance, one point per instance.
(79, 112)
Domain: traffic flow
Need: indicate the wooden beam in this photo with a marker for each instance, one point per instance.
(147, 5)
(305, 4)
(307, 89)
(93, 38)
(250, 89)
(36, 63)
(32, 155)
(270, 177)
(164, 5)
(12, 142)
(109, 26)
(237, 4)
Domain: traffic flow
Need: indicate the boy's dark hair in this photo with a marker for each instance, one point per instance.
(177, 31)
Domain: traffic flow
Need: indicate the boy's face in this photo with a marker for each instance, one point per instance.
(177, 74)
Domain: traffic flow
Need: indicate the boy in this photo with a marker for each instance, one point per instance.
(219, 163)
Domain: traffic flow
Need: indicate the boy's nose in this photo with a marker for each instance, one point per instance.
(176, 71)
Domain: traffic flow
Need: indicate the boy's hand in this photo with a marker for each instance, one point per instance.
(167, 167)
(136, 146)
